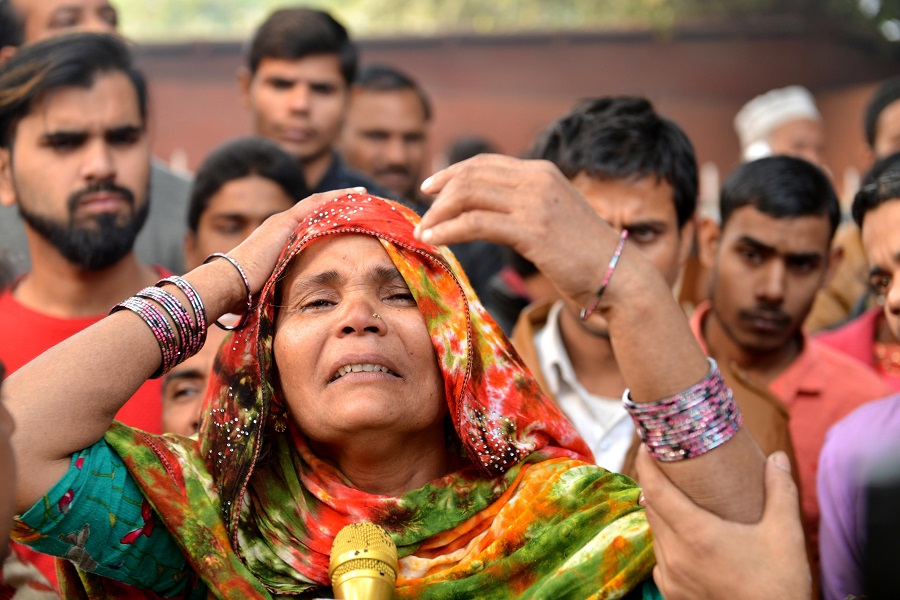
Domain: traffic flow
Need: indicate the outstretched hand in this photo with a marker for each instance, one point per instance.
(700, 555)
(528, 205)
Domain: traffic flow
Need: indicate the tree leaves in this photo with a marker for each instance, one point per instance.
(179, 20)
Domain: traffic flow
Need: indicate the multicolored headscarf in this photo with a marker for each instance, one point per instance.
(256, 512)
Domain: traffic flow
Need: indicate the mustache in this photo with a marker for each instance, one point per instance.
(102, 186)
(394, 170)
(768, 314)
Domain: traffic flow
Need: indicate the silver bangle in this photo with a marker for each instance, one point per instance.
(246, 281)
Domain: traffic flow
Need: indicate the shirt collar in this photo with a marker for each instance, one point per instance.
(805, 375)
(552, 355)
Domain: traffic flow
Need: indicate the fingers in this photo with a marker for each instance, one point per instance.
(460, 198)
(782, 498)
(471, 187)
(670, 507)
(310, 204)
(490, 182)
(475, 225)
(434, 184)
(648, 471)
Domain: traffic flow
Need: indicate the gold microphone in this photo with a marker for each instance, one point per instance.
(363, 563)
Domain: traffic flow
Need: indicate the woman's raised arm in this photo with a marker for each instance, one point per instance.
(66, 398)
(532, 207)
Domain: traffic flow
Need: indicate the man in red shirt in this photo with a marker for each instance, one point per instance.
(75, 161)
(767, 259)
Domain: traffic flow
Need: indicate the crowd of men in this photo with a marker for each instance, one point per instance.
(89, 217)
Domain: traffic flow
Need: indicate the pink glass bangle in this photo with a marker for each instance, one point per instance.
(589, 310)
(688, 424)
(246, 281)
(178, 314)
(159, 326)
(198, 329)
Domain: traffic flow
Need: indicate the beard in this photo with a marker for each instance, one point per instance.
(98, 244)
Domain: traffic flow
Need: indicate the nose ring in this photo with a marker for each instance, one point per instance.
(376, 315)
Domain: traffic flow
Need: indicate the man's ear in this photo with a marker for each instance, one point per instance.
(708, 234)
(835, 258)
(244, 80)
(7, 189)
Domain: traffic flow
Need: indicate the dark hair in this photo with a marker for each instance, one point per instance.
(243, 157)
(468, 146)
(381, 78)
(294, 33)
(12, 26)
(881, 184)
(886, 94)
(623, 138)
(780, 186)
(70, 60)
(519, 263)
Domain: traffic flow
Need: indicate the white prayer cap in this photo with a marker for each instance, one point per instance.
(762, 115)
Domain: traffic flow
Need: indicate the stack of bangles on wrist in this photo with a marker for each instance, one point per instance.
(688, 424)
(188, 335)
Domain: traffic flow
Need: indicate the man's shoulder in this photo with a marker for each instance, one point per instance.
(860, 329)
(169, 189)
(26, 332)
(874, 418)
(828, 358)
(865, 434)
(531, 320)
(339, 176)
(37, 325)
(842, 369)
(349, 177)
(162, 174)
(12, 313)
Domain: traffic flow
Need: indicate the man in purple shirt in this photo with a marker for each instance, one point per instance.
(870, 434)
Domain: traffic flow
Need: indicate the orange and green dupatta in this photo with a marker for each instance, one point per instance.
(525, 516)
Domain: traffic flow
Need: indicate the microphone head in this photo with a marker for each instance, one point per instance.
(363, 562)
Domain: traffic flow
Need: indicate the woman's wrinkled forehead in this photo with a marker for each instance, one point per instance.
(392, 224)
(328, 258)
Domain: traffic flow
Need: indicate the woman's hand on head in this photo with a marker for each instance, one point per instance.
(259, 252)
(528, 205)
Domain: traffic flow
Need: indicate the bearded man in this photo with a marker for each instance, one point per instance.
(75, 161)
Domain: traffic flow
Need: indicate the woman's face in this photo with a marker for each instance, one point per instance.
(345, 306)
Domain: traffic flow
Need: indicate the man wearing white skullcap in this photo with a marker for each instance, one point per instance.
(782, 121)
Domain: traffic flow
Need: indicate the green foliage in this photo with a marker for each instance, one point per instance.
(170, 20)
